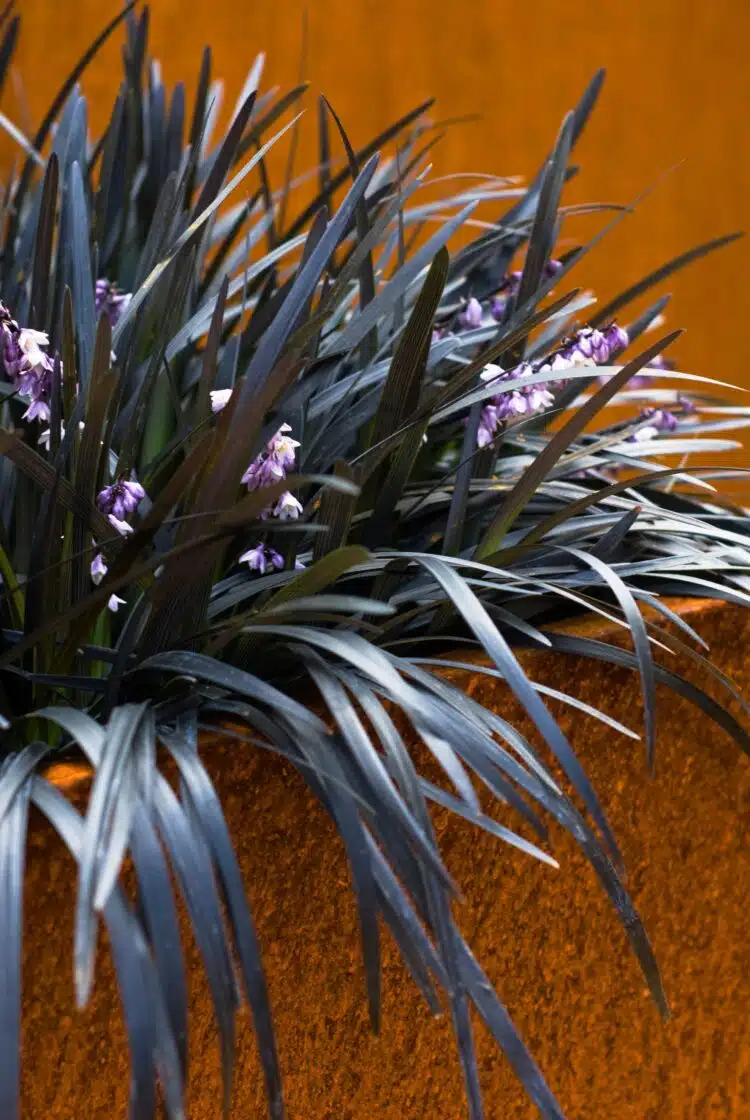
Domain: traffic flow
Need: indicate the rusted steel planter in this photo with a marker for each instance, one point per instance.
(548, 939)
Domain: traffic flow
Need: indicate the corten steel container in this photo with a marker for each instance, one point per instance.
(376, 61)
(548, 939)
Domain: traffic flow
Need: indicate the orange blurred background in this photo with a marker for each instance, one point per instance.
(678, 89)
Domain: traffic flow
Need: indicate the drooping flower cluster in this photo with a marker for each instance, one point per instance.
(261, 558)
(511, 404)
(592, 347)
(109, 299)
(657, 420)
(118, 502)
(271, 466)
(587, 347)
(651, 423)
(27, 365)
(473, 315)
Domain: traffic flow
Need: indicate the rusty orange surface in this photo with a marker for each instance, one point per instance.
(672, 119)
(677, 93)
(548, 939)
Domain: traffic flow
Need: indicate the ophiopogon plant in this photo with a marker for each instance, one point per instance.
(252, 446)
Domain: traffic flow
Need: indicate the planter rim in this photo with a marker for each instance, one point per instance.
(67, 776)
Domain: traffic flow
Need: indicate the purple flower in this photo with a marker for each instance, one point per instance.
(590, 346)
(281, 448)
(35, 381)
(36, 364)
(263, 471)
(37, 410)
(220, 399)
(31, 341)
(10, 348)
(616, 338)
(578, 350)
(507, 406)
(512, 405)
(21, 348)
(492, 373)
(661, 418)
(586, 347)
(121, 527)
(287, 508)
(27, 364)
(273, 463)
(538, 397)
(488, 425)
(98, 569)
(508, 288)
(270, 467)
(259, 558)
(255, 558)
(121, 498)
(510, 284)
(110, 301)
(471, 316)
(498, 305)
(656, 420)
(555, 365)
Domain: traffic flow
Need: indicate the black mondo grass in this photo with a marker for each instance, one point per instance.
(256, 448)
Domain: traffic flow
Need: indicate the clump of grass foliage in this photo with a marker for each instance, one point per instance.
(250, 445)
